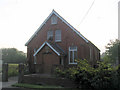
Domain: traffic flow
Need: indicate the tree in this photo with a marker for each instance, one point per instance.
(111, 53)
(12, 55)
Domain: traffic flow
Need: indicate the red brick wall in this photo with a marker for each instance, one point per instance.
(68, 37)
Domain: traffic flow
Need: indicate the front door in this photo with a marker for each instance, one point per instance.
(47, 62)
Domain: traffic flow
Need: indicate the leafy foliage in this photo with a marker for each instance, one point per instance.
(85, 76)
(12, 55)
(12, 70)
(112, 50)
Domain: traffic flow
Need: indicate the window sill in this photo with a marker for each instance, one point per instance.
(72, 63)
(58, 41)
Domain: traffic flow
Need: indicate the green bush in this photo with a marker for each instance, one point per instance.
(85, 76)
(102, 76)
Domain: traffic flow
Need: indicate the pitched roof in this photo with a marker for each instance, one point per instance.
(56, 48)
(54, 12)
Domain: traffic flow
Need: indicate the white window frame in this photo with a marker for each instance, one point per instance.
(72, 50)
(57, 35)
(49, 35)
(54, 20)
(35, 58)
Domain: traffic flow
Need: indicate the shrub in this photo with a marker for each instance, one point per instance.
(102, 76)
(85, 76)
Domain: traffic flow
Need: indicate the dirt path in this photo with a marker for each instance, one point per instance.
(11, 81)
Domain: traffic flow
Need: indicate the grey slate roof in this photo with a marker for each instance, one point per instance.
(58, 48)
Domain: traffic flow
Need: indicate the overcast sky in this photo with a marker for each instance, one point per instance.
(97, 20)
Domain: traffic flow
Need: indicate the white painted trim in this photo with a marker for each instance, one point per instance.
(39, 29)
(39, 49)
(53, 12)
(72, 63)
(43, 46)
(72, 49)
(70, 26)
(69, 55)
(58, 40)
(53, 49)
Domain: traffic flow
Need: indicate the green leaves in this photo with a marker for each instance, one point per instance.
(86, 76)
(111, 53)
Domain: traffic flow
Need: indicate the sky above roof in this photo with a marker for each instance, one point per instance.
(97, 20)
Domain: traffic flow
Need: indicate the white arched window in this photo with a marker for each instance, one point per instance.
(54, 20)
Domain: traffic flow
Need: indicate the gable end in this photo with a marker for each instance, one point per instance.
(54, 12)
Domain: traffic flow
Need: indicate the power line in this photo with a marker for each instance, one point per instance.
(87, 11)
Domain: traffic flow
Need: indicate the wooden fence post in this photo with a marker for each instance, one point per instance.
(4, 72)
(21, 73)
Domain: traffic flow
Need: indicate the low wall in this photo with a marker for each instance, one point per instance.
(48, 81)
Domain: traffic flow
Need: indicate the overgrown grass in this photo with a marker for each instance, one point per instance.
(34, 86)
(12, 70)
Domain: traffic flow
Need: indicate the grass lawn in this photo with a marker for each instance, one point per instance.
(34, 86)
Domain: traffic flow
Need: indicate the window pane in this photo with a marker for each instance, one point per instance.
(58, 35)
(73, 48)
(49, 34)
(53, 20)
(71, 57)
(75, 56)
